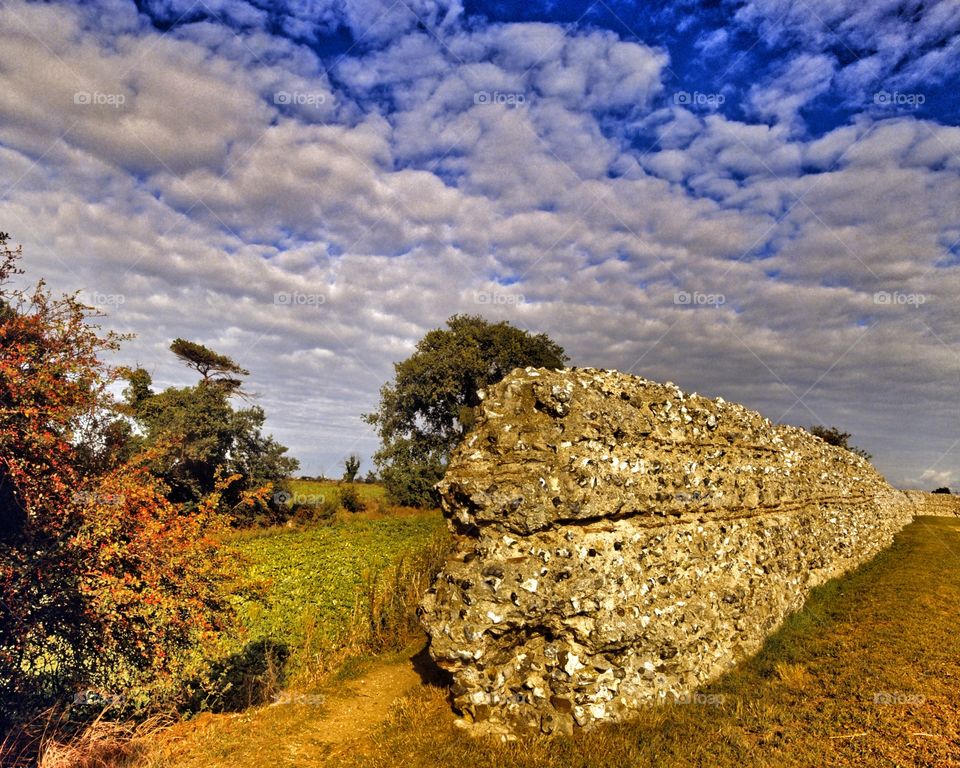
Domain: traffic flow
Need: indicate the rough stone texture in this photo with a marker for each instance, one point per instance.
(937, 504)
(620, 542)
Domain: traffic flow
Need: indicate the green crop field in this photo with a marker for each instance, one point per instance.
(312, 576)
(305, 584)
(322, 487)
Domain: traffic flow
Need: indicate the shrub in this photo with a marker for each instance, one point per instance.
(312, 514)
(833, 436)
(246, 678)
(153, 588)
(104, 583)
(350, 499)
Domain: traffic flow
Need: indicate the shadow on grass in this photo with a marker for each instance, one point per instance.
(429, 671)
(248, 678)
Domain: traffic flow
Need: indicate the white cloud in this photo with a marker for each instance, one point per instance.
(405, 198)
(799, 81)
(885, 43)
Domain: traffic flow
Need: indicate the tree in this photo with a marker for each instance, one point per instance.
(200, 437)
(429, 406)
(103, 582)
(833, 436)
(351, 465)
(213, 367)
(943, 489)
(350, 499)
(257, 458)
(139, 386)
(104, 441)
(190, 427)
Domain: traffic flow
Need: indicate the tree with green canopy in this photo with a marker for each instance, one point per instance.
(429, 406)
(203, 437)
(213, 367)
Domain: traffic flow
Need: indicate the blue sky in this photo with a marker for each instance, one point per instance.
(755, 199)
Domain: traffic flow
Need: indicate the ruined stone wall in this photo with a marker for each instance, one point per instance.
(620, 542)
(937, 504)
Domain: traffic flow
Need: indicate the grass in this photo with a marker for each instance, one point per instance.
(406, 552)
(312, 489)
(311, 583)
(867, 674)
(100, 744)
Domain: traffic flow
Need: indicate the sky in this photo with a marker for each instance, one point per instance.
(754, 199)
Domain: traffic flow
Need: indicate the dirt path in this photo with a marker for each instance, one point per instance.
(301, 730)
(365, 702)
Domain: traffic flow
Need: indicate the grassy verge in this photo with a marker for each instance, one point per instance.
(323, 591)
(375, 614)
(867, 674)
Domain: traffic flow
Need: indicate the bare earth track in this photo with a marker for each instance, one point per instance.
(298, 729)
(364, 703)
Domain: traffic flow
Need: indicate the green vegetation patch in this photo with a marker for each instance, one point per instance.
(309, 580)
(315, 491)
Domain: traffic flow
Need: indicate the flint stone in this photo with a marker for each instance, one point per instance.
(620, 543)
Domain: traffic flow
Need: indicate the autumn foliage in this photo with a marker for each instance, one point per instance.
(104, 583)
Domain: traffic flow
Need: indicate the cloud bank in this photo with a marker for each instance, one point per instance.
(310, 187)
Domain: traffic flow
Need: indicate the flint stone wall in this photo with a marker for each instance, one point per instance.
(620, 543)
(936, 504)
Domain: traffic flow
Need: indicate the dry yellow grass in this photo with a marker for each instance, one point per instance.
(49, 742)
